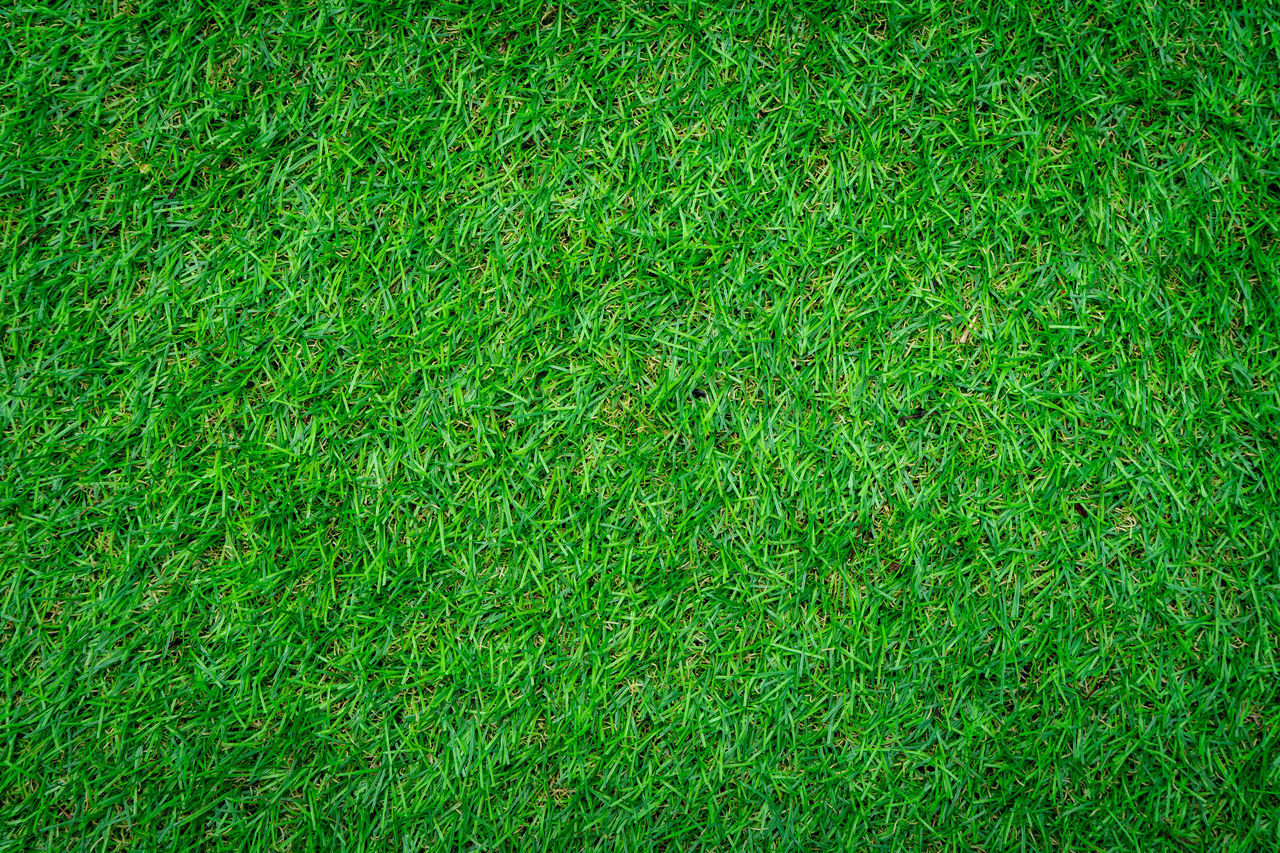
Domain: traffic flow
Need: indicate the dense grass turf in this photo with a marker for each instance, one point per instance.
(743, 426)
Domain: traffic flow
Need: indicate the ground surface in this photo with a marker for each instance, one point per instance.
(752, 426)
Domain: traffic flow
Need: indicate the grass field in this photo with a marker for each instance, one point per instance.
(627, 426)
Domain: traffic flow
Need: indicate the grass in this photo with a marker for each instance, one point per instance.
(635, 426)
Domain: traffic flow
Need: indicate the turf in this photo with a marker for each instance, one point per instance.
(634, 426)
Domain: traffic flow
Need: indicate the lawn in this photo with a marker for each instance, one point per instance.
(633, 426)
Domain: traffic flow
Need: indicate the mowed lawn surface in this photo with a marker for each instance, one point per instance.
(633, 426)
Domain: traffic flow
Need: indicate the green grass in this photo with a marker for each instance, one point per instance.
(627, 427)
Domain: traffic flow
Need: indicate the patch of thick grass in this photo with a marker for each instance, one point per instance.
(606, 426)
